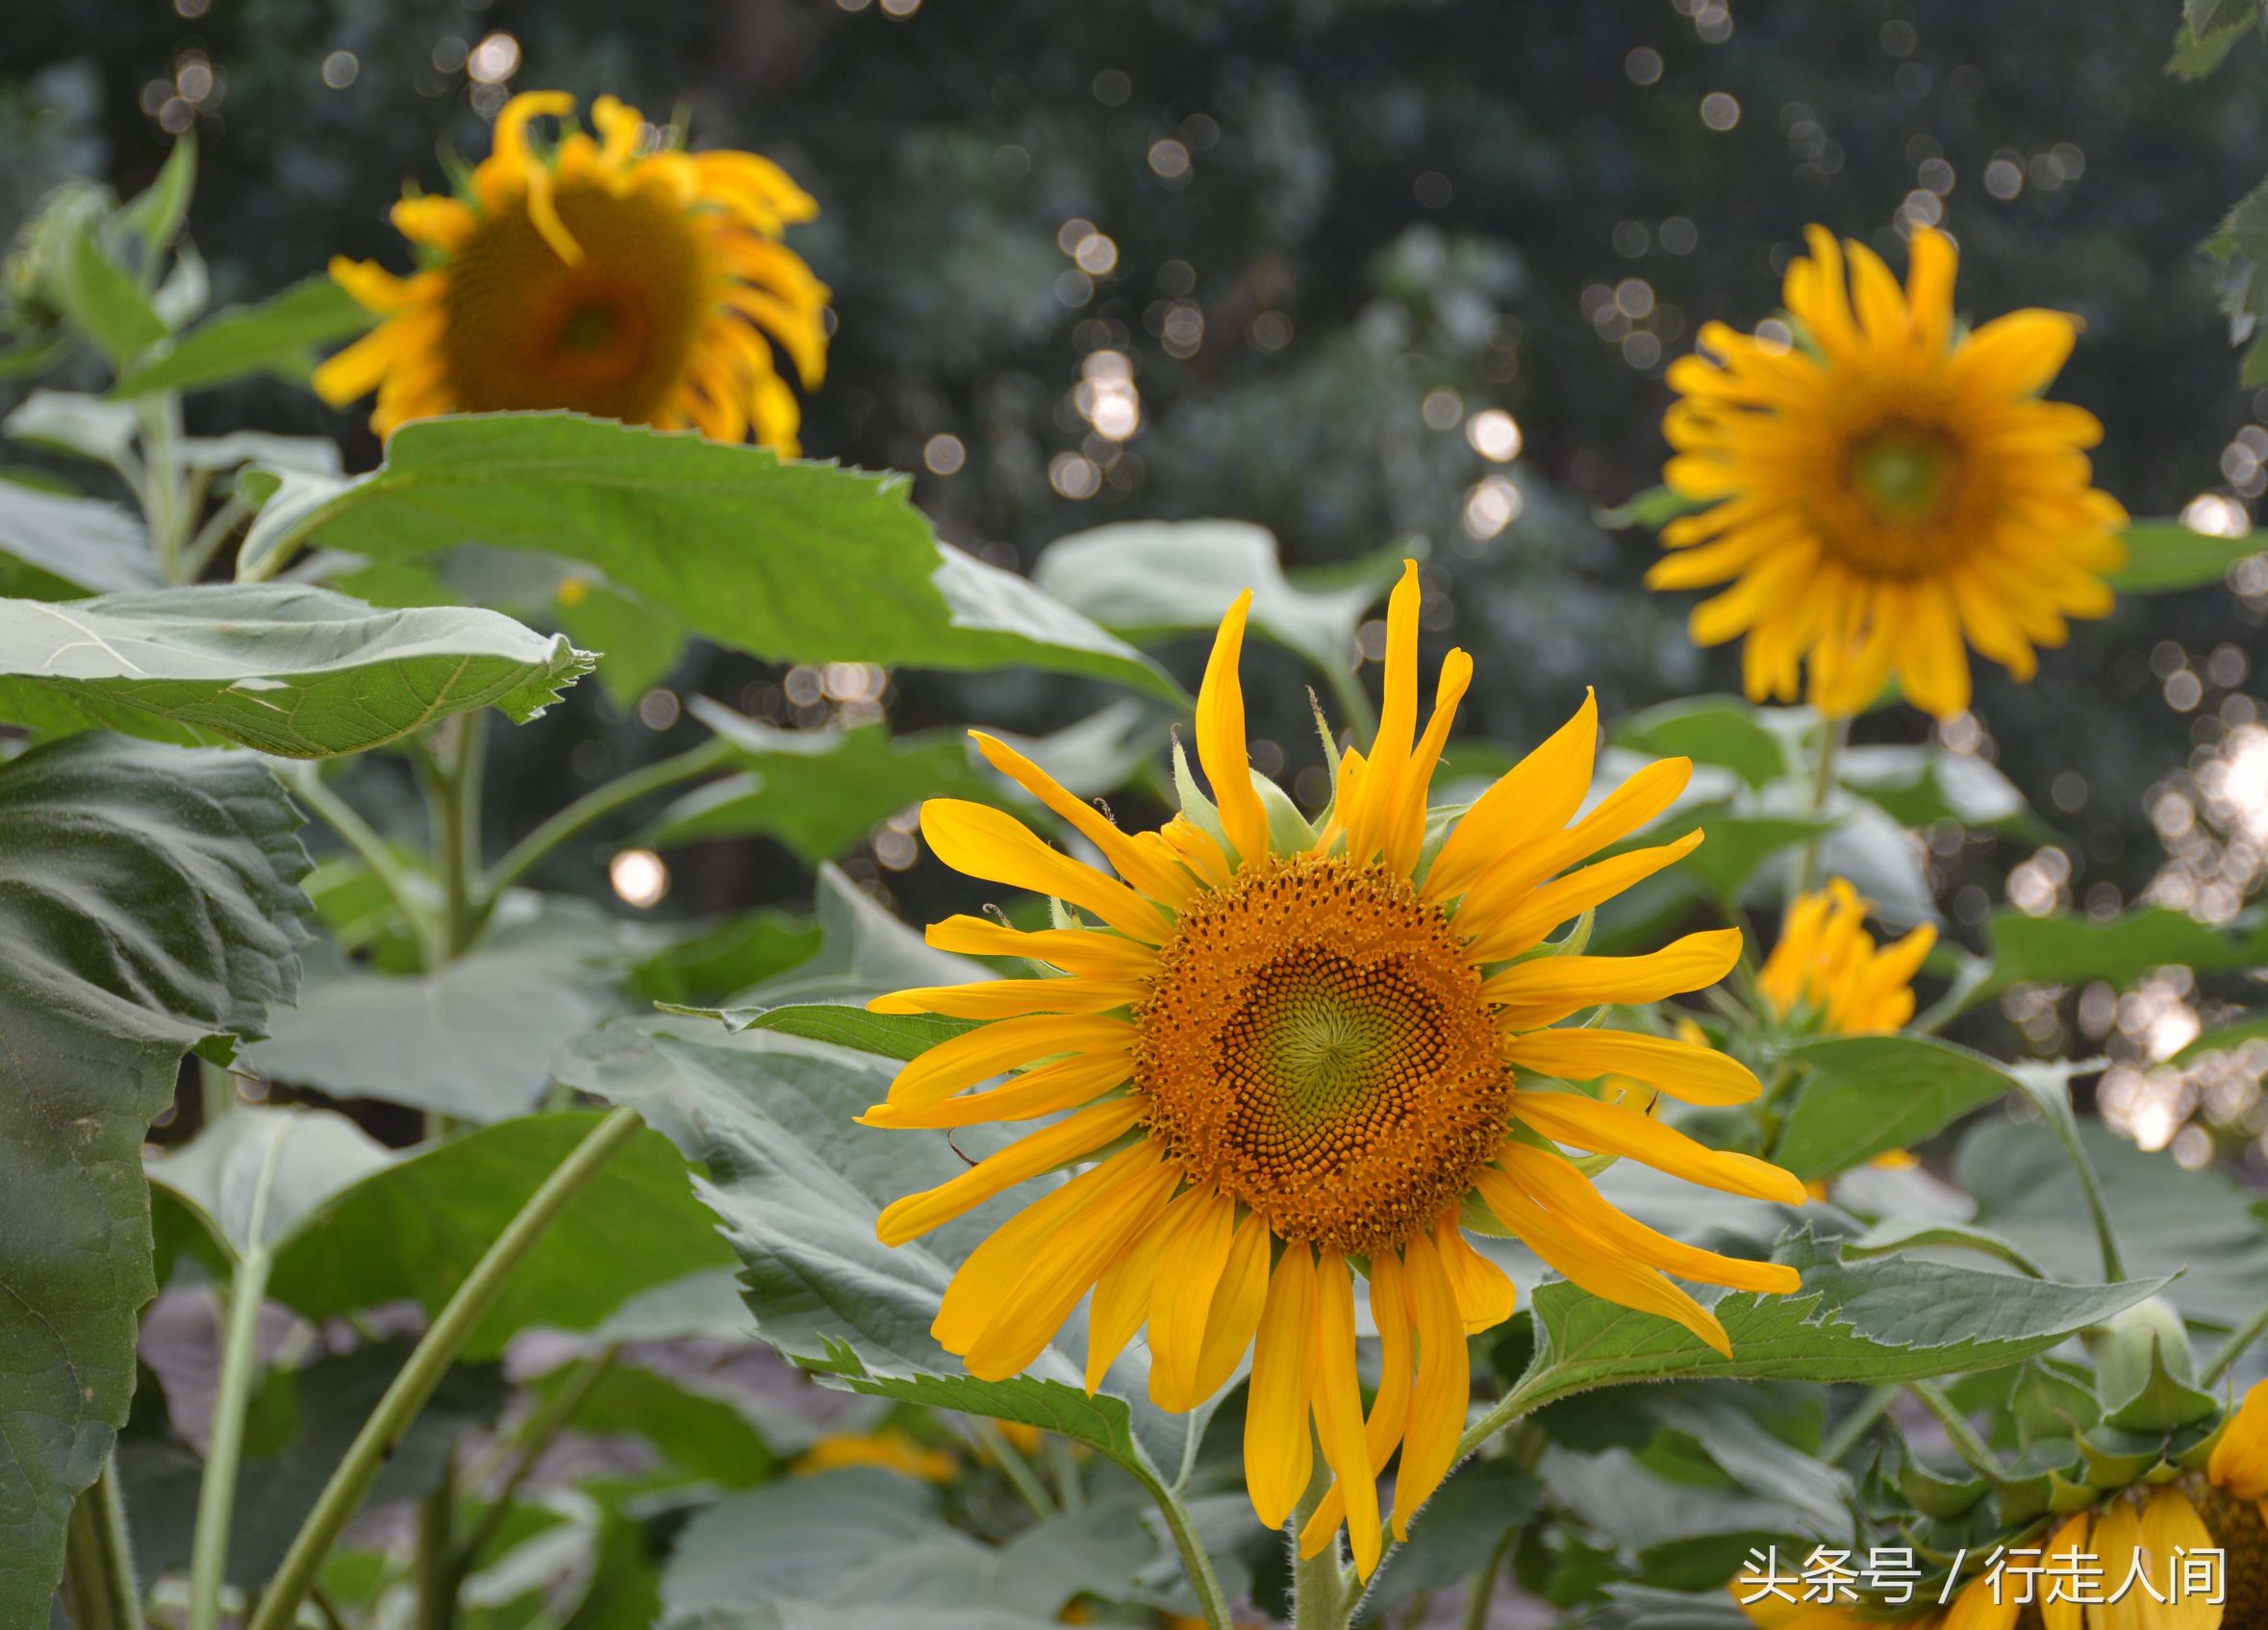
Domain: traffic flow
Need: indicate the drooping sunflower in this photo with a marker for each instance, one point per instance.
(1884, 492)
(890, 1449)
(2148, 1526)
(1827, 967)
(599, 276)
(1288, 1053)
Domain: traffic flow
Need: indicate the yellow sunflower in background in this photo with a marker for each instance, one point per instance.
(1289, 1053)
(601, 276)
(1973, 1609)
(891, 1449)
(1882, 491)
(1826, 965)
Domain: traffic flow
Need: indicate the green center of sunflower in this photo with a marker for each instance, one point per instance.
(613, 335)
(1314, 1045)
(1903, 474)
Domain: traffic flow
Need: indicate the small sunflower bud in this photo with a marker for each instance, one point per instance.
(2145, 1372)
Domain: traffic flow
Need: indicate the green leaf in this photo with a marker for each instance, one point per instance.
(103, 302)
(1710, 730)
(1653, 509)
(1148, 578)
(156, 216)
(58, 548)
(799, 1184)
(471, 1039)
(1865, 1096)
(2166, 556)
(860, 1546)
(711, 964)
(787, 560)
(844, 1024)
(1921, 785)
(76, 425)
(412, 1229)
(705, 1439)
(2221, 1037)
(319, 1153)
(295, 671)
(2070, 950)
(2196, 1224)
(147, 906)
(277, 336)
(819, 791)
(864, 951)
(1893, 1318)
(1903, 1234)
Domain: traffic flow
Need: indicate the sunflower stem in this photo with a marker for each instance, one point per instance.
(1012, 1466)
(99, 1583)
(1320, 1596)
(592, 808)
(1832, 734)
(443, 1340)
(239, 1371)
(2232, 1349)
(374, 852)
(1203, 1582)
(542, 1429)
(1857, 1424)
(1069, 1492)
(1483, 1592)
(1957, 1431)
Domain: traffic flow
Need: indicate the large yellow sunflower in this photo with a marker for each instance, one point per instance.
(1289, 1053)
(644, 286)
(1882, 490)
(1826, 967)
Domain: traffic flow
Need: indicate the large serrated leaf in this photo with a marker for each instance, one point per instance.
(276, 335)
(298, 673)
(789, 561)
(1864, 1096)
(2069, 950)
(148, 905)
(798, 1185)
(1893, 1318)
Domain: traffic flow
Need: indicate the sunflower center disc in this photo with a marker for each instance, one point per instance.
(1315, 1045)
(1899, 518)
(613, 335)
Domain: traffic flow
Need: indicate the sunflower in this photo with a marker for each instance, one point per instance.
(1825, 967)
(648, 287)
(1289, 1053)
(1882, 490)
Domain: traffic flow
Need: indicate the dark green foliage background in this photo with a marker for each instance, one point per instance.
(943, 260)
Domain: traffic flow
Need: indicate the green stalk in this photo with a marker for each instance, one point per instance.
(1832, 734)
(1012, 1466)
(99, 1587)
(1353, 701)
(594, 806)
(452, 776)
(1857, 1424)
(1321, 1596)
(2232, 1349)
(382, 1431)
(1064, 1468)
(1965, 1442)
(239, 1369)
(1484, 1583)
(437, 1552)
(536, 1436)
(2059, 1116)
(373, 851)
(1195, 1565)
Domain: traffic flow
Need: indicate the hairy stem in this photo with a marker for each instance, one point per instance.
(1321, 1596)
(239, 1371)
(427, 1364)
(592, 808)
(373, 851)
(2232, 1349)
(1957, 1431)
(1832, 734)
(99, 1587)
